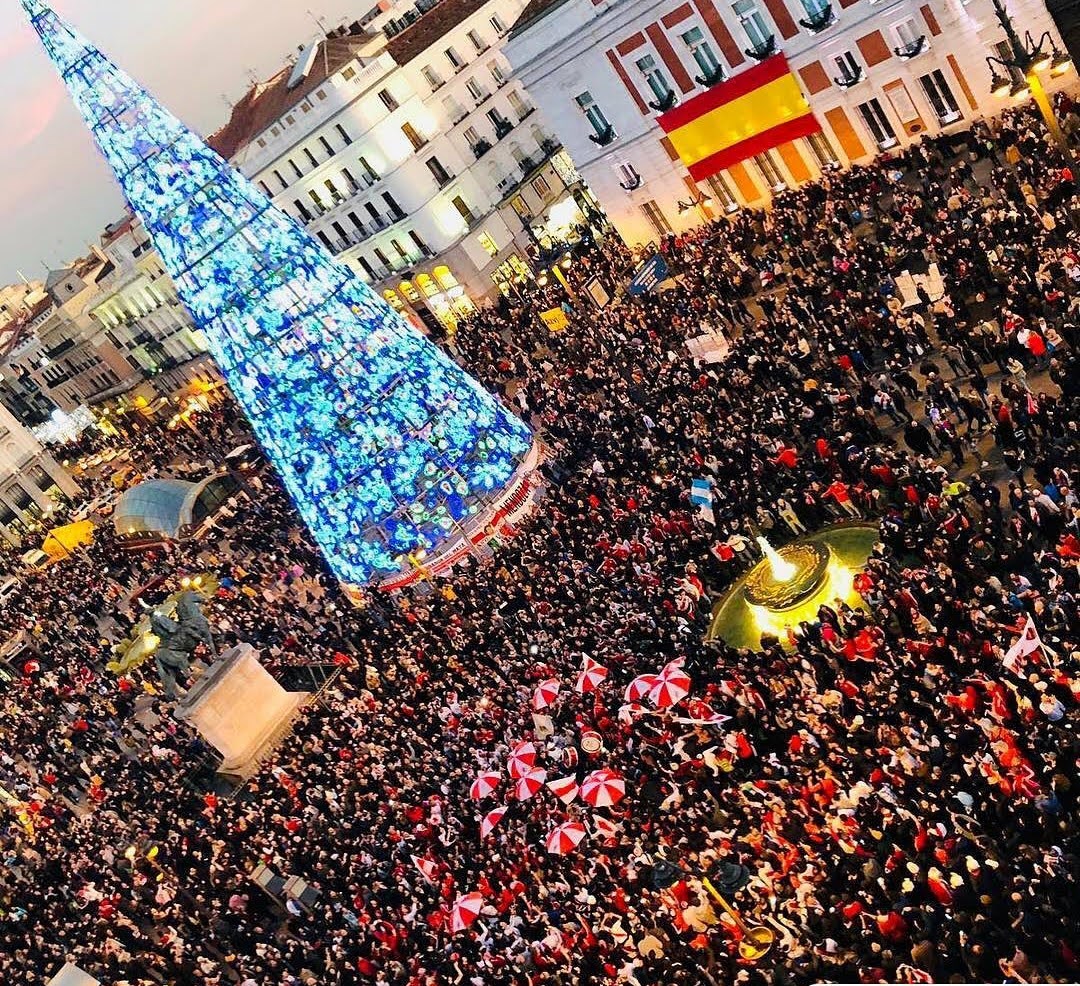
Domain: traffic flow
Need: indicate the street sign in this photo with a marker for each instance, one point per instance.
(648, 275)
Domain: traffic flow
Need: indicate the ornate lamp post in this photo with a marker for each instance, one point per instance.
(1031, 58)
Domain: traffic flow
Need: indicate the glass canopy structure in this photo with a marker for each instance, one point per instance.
(389, 449)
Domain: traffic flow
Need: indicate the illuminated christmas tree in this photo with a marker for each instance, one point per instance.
(390, 450)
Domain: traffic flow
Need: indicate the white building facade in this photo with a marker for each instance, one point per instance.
(404, 146)
(877, 75)
(32, 483)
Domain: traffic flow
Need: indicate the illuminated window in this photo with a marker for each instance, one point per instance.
(488, 244)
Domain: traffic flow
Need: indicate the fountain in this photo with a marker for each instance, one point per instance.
(790, 584)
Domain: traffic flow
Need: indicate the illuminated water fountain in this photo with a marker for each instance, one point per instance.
(790, 584)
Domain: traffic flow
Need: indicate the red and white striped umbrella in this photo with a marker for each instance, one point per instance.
(491, 819)
(629, 712)
(564, 788)
(590, 676)
(672, 686)
(530, 783)
(485, 785)
(603, 788)
(546, 693)
(564, 838)
(604, 828)
(701, 711)
(465, 910)
(639, 687)
(522, 758)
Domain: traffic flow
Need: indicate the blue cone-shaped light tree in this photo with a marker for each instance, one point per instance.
(387, 447)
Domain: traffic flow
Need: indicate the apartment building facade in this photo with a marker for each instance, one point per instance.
(614, 76)
(404, 145)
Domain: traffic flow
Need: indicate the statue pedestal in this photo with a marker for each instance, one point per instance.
(240, 709)
(72, 975)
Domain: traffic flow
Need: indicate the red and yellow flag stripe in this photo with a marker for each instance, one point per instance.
(752, 112)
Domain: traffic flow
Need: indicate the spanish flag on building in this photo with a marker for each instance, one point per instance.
(751, 112)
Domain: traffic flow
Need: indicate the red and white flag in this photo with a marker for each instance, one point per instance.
(427, 868)
(1028, 644)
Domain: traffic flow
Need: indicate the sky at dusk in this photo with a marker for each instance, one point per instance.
(56, 193)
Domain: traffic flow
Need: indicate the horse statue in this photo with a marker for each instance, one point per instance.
(179, 638)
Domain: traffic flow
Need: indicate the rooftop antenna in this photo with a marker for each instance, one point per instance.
(321, 24)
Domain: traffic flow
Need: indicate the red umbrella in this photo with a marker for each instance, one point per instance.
(563, 838)
(530, 783)
(546, 693)
(628, 713)
(465, 910)
(672, 685)
(564, 788)
(604, 828)
(590, 676)
(522, 758)
(491, 819)
(603, 788)
(640, 687)
(484, 786)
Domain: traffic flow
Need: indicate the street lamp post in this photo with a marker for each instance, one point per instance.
(1031, 58)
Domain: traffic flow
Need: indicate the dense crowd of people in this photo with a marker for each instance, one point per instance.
(882, 789)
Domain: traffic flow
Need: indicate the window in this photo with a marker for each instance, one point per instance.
(463, 210)
(349, 73)
(518, 105)
(261, 142)
(399, 250)
(822, 150)
(340, 230)
(350, 180)
(769, 170)
(655, 78)
(489, 245)
(940, 95)
(454, 110)
(722, 192)
(498, 76)
(382, 258)
(412, 136)
(387, 99)
(477, 91)
(431, 77)
(391, 203)
(496, 22)
(325, 241)
(877, 123)
(282, 181)
(498, 121)
(296, 169)
(454, 58)
(311, 158)
(367, 268)
(592, 112)
(541, 187)
(472, 135)
(320, 95)
(375, 216)
(848, 65)
(343, 134)
(1004, 51)
(656, 218)
(438, 172)
(477, 42)
(418, 242)
(753, 22)
(629, 177)
(327, 146)
(266, 191)
(907, 33)
(303, 210)
(371, 173)
(335, 195)
(702, 53)
(319, 207)
(355, 220)
(814, 8)
(290, 120)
